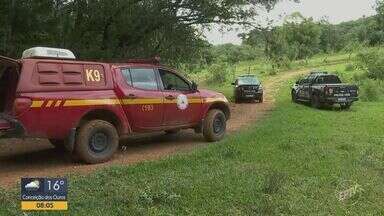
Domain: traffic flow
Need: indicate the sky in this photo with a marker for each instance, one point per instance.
(336, 11)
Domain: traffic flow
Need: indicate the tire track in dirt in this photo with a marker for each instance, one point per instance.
(36, 157)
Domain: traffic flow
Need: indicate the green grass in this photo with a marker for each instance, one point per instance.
(293, 163)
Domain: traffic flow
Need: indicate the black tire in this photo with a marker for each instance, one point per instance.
(294, 97)
(315, 102)
(214, 125)
(96, 142)
(261, 99)
(58, 144)
(346, 106)
(237, 100)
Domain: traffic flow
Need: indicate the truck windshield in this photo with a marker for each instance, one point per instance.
(331, 79)
(248, 81)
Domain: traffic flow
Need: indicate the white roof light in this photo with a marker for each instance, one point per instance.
(46, 52)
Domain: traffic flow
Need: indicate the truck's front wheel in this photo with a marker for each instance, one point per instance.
(96, 142)
(261, 99)
(345, 106)
(214, 125)
(294, 96)
(315, 102)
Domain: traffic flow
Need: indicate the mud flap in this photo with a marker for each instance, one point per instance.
(70, 144)
(10, 127)
(199, 128)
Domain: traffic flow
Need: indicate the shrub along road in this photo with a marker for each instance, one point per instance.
(36, 157)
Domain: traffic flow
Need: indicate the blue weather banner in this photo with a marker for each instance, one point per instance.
(45, 194)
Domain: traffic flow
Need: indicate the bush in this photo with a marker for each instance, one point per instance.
(371, 90)
(372, 62)
(232, 54)
(272, 72)
(349, 67)
(281, 63)
(218, 73)
(359, 77)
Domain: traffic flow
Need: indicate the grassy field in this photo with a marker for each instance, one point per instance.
(296, 162)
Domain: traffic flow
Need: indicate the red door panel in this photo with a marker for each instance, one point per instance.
(182, 105)
(181, 108)
(142, 101)
(144, 109)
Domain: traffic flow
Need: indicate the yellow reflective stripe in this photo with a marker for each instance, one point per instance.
(139, 101)
(58, 103)
(190, 101)
(194, 100)
(95, 102)
(142, 101)
(173, 101)
(49, 104)
(37, 104)
(212, 100)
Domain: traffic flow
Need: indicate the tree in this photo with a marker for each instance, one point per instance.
(330, 39)
(302, 35)
(297, 38)
(119, 29)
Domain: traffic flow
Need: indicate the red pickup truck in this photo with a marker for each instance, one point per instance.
(88, 106)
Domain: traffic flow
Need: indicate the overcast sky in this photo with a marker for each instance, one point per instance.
(336, 10)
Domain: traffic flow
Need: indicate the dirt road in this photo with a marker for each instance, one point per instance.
(36, 157)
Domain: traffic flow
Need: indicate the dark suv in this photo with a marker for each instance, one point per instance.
(248, 87)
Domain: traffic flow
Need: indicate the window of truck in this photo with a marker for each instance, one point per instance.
(331, 79)
(172, 81)
(142, 78)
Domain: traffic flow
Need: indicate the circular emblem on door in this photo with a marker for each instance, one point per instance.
(182, 102)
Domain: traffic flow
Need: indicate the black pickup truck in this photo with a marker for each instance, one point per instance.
(321, 88)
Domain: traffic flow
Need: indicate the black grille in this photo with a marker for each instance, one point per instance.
(250, 88)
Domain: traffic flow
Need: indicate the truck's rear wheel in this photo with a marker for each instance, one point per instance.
(214, 125)
(96, 142)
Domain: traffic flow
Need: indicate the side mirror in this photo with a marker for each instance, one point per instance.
(194, 86)
(297, 82)
(233, 83)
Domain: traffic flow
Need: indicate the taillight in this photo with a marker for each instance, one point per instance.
(21, 105)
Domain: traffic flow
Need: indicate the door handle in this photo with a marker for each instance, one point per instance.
(170, 97)
(131, 96)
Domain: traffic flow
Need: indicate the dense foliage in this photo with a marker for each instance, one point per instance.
(104, 29)
(300, 37)
(370, 64)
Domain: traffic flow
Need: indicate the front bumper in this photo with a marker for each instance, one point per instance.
(10, 127)
(253, 95)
